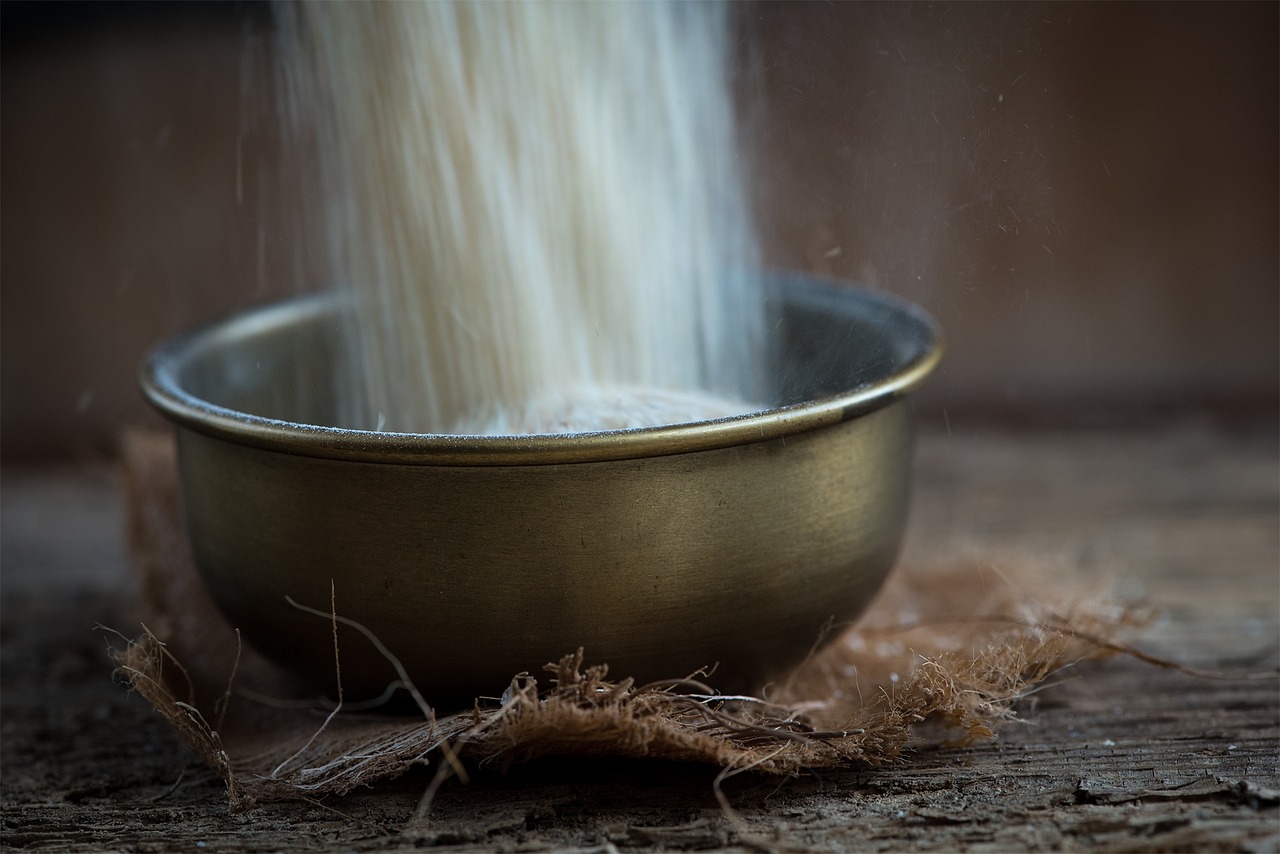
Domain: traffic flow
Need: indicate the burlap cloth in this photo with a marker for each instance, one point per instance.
(943, 655)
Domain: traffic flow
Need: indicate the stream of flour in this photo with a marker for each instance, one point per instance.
(535, 209)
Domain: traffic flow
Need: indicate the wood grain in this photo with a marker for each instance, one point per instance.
(1118, 755)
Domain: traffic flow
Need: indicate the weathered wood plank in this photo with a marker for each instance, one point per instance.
(1116, 755)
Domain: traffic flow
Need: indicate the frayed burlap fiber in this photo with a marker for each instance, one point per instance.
(944, 654)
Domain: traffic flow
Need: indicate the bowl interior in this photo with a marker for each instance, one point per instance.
(283, 363)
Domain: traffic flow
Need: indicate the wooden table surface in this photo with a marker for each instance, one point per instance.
(1115, 755)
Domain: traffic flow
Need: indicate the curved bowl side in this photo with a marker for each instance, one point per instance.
(470, 575)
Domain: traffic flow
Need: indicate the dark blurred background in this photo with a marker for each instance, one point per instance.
(1086, 196)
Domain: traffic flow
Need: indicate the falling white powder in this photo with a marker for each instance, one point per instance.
(537, 209)
(600, 407)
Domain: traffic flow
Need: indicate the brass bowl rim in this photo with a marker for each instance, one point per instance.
(158, 378)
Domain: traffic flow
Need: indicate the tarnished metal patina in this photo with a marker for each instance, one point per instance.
(661, 551)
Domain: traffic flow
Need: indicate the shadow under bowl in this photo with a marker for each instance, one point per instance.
(472, 559)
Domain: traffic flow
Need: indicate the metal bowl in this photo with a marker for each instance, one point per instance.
(472, 559)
